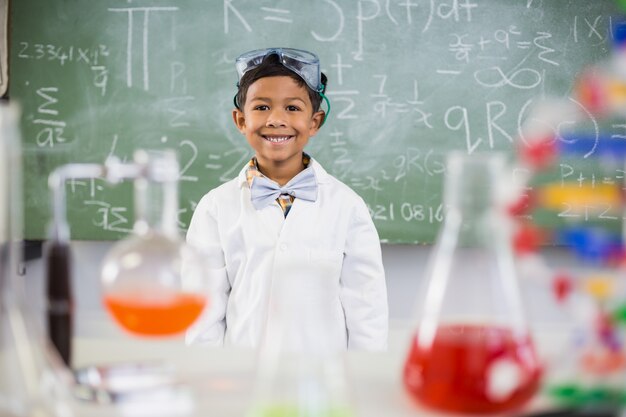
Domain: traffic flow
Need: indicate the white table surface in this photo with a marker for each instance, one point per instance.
(220, 381)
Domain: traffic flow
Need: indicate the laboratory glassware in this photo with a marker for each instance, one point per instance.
(60, 300)
(33, 380)
(298, 376)
(472, 351)
(154, 284)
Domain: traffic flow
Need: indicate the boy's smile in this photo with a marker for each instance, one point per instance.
(278, 121)
(277, 139)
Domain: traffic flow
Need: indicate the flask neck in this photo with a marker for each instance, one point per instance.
(471, 195)
(471, 273)
(156, 207)
(472, 182)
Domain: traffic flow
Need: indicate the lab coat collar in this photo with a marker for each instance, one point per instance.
(320, 174)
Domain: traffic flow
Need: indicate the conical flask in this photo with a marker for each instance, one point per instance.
(33, 380)
(154, 284)
(472, 351)
(296, 375)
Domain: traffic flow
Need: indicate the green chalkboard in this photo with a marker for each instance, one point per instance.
(409, 81)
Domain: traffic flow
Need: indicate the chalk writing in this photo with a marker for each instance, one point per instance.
(277, 15)
(408, 81)
(187, 147)
(570, 173)
(145, 32)
(340, 23)
(592, 29)
(51, 127)
(109, 217)
(455, 10)
(62, 54)
(229, 8)
(407, 212)
(100, 77)
(346, 110)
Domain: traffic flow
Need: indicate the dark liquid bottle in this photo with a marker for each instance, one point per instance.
(60, 301)
(472, 352)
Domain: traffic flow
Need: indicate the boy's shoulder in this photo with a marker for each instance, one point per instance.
(336, 183)
(226, 188)
(223, 192)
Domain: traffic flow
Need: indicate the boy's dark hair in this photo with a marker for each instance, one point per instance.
(272, 67)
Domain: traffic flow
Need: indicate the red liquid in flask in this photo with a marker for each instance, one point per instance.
(473, 369)
(164, 317)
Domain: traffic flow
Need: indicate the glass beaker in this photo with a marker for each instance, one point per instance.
(33, 380)
(154, 284)
(472, 351)
(298, 375)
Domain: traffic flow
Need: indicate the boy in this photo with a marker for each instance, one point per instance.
(285, 219)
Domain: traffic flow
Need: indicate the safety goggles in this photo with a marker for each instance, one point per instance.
(305, 64)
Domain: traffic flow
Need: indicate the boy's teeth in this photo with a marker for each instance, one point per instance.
(277, 139)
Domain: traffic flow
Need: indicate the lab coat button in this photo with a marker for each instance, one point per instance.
(283, 247)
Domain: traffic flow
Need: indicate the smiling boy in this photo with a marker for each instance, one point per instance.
(284, 218)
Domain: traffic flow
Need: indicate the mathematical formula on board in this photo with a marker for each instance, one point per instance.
(409, 80)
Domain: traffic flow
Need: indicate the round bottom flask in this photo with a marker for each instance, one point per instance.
(146, 296)
(472, 351)
(154, 284)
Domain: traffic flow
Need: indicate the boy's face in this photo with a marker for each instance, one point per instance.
(278, 121)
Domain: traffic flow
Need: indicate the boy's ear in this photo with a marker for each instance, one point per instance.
(240, 120)
(316, 122)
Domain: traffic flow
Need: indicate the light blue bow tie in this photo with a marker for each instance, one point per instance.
(264, 190)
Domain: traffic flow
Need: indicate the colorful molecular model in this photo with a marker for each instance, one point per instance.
(581, 206)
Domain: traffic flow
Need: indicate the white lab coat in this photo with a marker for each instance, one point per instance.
(327, 253)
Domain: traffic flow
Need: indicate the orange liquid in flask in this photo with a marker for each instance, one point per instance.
(164, 317)
(473, 369)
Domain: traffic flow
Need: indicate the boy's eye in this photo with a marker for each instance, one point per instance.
(261, 107)
(293, 108)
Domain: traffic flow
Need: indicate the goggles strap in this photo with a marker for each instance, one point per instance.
(327, 105)
(235, 99)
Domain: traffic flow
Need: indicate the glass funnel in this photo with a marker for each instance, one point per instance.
(33, 380)
(472, 351)
(154, 284)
